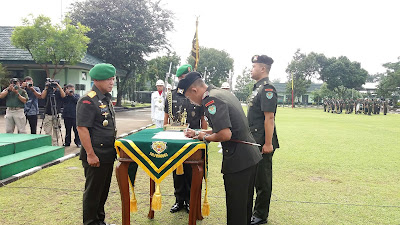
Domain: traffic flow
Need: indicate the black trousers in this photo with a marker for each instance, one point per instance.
(182, 184)
(32, 123)
(239, 191)
(70, 123)
(97, 185)
(263, 187)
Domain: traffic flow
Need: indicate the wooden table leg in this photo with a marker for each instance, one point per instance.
(195, 193)
(152, 190)
(121, 172)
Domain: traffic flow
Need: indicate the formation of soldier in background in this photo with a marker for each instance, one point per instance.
(358, 106)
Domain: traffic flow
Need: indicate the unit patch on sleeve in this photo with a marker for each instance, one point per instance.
(270, 95)
(86, 102)
(212, 109)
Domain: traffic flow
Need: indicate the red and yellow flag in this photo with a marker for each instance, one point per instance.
(195, 47)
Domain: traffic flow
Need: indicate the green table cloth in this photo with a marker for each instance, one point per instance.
(157, 157)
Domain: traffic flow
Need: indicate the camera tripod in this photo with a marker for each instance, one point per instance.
(55, 118)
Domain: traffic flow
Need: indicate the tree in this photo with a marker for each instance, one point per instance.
(157, 68)
(123, 32)
(390, 81)
(59, 45)
(342, 72)
(215, 64)
(3, 76)
(302, 69)
(244, 85)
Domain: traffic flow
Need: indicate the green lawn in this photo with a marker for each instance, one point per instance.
(330, 169)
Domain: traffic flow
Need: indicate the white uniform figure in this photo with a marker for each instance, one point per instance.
(157, 105)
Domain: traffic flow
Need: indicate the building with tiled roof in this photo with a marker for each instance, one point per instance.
(21, 64)
(305, 99)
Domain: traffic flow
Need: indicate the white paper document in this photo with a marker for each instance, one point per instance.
(172, 135)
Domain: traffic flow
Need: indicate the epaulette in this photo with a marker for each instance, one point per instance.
(91, 94)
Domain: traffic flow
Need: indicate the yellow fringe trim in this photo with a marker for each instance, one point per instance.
(205, 211)
(179, 170)
(156, 201)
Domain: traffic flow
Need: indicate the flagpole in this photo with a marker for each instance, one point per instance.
(197, 44)
(292, 93)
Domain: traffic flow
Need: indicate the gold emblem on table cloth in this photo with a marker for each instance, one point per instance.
(159, 146)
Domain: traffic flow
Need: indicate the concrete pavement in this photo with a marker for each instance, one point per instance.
(126, 121)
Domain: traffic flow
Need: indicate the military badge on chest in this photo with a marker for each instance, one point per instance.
(104, 112)
(251, 98)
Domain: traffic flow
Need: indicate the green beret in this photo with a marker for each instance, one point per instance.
(102, 71)
(183, 70)
(262, 59)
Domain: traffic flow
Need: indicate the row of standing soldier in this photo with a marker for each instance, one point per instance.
(358, 106)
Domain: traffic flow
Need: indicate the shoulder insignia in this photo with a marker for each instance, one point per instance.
(91, 94)
(212, 109)
(86, 102)
(270, 95)
(265, 82)
(209, 103)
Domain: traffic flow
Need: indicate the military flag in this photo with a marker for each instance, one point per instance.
(195, 47)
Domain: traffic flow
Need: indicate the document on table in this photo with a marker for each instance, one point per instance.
(173, 135)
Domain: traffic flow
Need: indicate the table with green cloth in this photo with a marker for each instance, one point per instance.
(158, 158)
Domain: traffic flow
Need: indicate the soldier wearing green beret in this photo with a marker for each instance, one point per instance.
(96, 126)
(261, 117)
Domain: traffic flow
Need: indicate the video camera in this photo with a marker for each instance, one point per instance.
(52, 83)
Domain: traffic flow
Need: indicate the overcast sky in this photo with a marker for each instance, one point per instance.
(364, 31)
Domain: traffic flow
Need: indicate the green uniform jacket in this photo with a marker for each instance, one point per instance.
(224, 110)
(263, 99)
(95, 111)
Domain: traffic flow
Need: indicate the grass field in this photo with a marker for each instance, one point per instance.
(330, 169)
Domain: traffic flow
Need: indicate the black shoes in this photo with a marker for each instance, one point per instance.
(66, 145)
(178, 207)
(78, 145)
(255, 220)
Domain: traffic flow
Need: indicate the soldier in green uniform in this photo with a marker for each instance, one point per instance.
(95, 122)
(261, 117)
(195, 119)
(230, 127)
(385, 107)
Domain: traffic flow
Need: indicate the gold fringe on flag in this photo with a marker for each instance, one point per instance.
(156, 201)
(205, 211)
(179, 170)
(133, 201)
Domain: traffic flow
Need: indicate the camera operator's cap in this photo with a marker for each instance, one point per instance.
(160, 82)
(262, 59)
(185, 83)
(184, 69)
(102, 71)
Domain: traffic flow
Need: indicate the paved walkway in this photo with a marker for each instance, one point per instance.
(126, 121)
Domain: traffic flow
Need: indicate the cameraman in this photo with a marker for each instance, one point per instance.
(50, 123)
(69, 114)
(31, 106)
(15, 101)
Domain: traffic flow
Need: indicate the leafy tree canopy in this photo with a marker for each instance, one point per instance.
(390, 81)
(123, 32)
(215, 64)
(59, 45)
(244, 85)
(158, 68)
